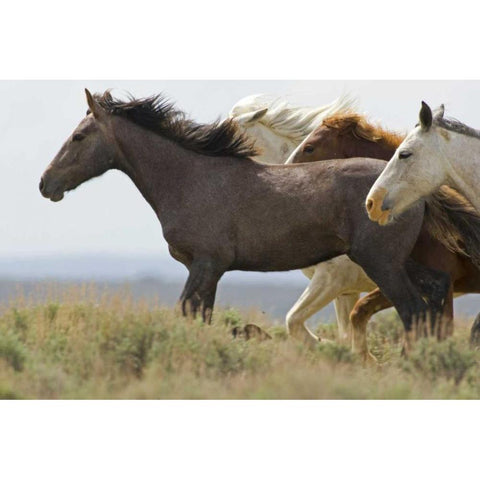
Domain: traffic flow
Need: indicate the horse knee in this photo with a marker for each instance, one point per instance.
(294, 321)
(360, 314)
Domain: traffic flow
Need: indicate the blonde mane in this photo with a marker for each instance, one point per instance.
(287, 120)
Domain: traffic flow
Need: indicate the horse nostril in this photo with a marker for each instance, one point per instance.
(369, 204)
(41, 185)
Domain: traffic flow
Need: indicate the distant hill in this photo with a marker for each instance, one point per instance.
(160, 279)
(102, 267)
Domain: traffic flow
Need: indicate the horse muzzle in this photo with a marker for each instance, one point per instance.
(379, 208)
(52, 193)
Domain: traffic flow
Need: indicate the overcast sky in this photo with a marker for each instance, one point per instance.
(108, 214)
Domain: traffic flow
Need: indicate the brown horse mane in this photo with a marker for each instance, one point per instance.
(159, 115)
(360, 127)
(449, 216)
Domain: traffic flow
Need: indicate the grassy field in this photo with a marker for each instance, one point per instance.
(114, 348)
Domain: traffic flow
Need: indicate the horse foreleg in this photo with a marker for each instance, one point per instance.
(436, 286)
(396, 285)
(446, 322)
(208, 302)
(200, 289)
(188, 298)
(308, 303)
(359, 317)
(330, 280)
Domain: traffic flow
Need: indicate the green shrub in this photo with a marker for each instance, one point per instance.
(20, 320)
(224, 358)
(448, 359)
(55, 346)
(12, 350)
(132, 346)
(7, 393)
(51, 311)
(278, 332)
(327, 330)
(231, 317)
(385, 335)
(336, 352)
(119, 349)
(386, 327)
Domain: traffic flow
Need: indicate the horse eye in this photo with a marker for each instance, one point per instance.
(404, 155)
(308, 149)
(78, 137)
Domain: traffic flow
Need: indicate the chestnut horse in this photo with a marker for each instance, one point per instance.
(204, 188)
(351, 135)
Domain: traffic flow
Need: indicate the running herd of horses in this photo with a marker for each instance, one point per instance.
(275, 187)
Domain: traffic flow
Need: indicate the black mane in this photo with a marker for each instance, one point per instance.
(159, 115)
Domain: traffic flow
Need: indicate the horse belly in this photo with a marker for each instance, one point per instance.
(272, 253)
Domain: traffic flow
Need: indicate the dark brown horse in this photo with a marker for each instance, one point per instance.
(204, 188)
(351, 135)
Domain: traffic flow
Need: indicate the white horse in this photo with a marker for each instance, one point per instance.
(438, 151)
(278, 129)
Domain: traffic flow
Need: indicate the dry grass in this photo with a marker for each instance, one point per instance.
(115, 348)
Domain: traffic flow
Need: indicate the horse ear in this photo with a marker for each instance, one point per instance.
(438, 112)
(425, 117)
(251, 117)
(259, 114)
(93, 104)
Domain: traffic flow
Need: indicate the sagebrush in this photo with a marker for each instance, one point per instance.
(78, 348)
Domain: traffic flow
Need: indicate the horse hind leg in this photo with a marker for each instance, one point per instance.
(344, 304)
(330, 280)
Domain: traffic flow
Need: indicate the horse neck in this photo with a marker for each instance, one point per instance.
(156, 165)
(268, 154)
(462, 154)
(367, 148)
